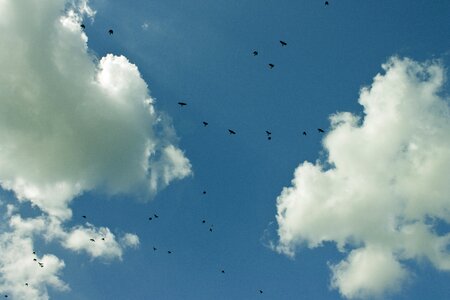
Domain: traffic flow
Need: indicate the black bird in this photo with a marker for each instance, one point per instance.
(82, 26)
(204, 192)
(223, 271)
(231, 131)
(268, 132)
(103, 239)
(210, 229)
(182, 103)
(92, 240)
(154, 248)
(260, 291)
(170, 252)
(150, 218)
(320, 130)
(326, 3)
(304, 132)
(110, 31)
(41, 264)
(34, 259)
(283, 43)
(156, 216)
(255, 53)
(26, 283)
(84, 217)
(6, 296)
(204, 221)
(205, 123)
(34, 252)
(271, 66)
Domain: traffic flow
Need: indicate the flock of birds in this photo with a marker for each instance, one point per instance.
(205, 124)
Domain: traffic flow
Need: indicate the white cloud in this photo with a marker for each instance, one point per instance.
(387, 186)
(70, 123)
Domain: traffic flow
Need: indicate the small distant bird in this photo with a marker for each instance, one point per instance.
(304, 132)
(210, 229)
(271, 66)
(154, 248)
(231, 131)
(92, 240)
(156, 216)
(223, 271)
(34, 252)
(41, 264)
(283, 43)
(26, 283)
(320, 130)
(170, 252)
(6, 296)
(204, 193)
(34, 259)
(103, 239)
(204, 221)
(255, 53)
(110, 31)
(84, 217)
(182, 103)
(150, 218)
(82, 26)
(326, 3)
(268, 132)
(260, 291)
(205, 123)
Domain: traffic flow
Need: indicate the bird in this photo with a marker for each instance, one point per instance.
(156, 216)
(82, 26)
(320, 130)
(103, 238)
(205, 123)
(271, 66)
(150, 218)
(182, 103)
(223, 271)
(204, 193)
(260, 291)
(26, 283)
(304, 132)
(34, 259)
(231, 131)
(268, 132)
(255, 53)
(210, 229)
(84, 217)
(154, 248)
(110, 31)
(170, 252)
(6, 296)
(92, 240)
(283, 43)
(326, 3)
(34, 252)
(204, 221)
(41, 264)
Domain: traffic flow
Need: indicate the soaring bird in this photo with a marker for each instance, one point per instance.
(271, 66)
(204, 221)
(320, 130)
(304, 132)
(34, 252)
(92, 240)
(26, 283)
(34, 259)
(231, 131)
(84, 217)
(255, 53)
(110, 31)
(150, 218)
(283, 43)
(182, 103)
(260, 291)
(41, 264)
(154, 248)
(326, 3)
(156, 216)
(210, 229)
(205, 123)
(170, 252)
(268, 132)
(223, 271)
(82, 26)
(204, 193)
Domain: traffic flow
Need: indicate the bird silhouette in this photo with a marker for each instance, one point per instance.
(223, 271)
(103, 238)
(210, 229)
(92, 240)
(26, 283)
(156, 216)
(110, 31)
(34, 259)
(268, 132)
(34, 252)
(204, 221)
(41, 264)
(304, 132)
(271, 66)
(204, 193)
(283, 43)
(326, 3)
(154, 248)
(182, 103)
(231, 131)
(255, 53)
(150, 218)
(82, 26)
(260, 291)
(320, 130)
(205, 123)
(170, 252)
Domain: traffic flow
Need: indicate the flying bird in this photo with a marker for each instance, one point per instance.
(204, 221)
(205, 123)
(34, 252)
(326, 3)
(271, 66)
(41, 264)
(150, 218)
(110, 31)
(283, 43)
(223, 271)
(34, 259)
(304, 132)
(170, 252)
(320, 130)
(204, 193)
(82, 26)
(26, 283)
(182, 103)
(92, 240)
(260, 291)
(210, 229)
(103, 239)
(156, 216)
(268, 132)
(231, 131)
(154, 248)
(255, 53)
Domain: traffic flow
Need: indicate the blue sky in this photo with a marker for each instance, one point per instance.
(200, 52)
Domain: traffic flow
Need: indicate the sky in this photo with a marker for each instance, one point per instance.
(93, 143)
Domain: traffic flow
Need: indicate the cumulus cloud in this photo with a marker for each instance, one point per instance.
(384, 188)
(70, 123)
